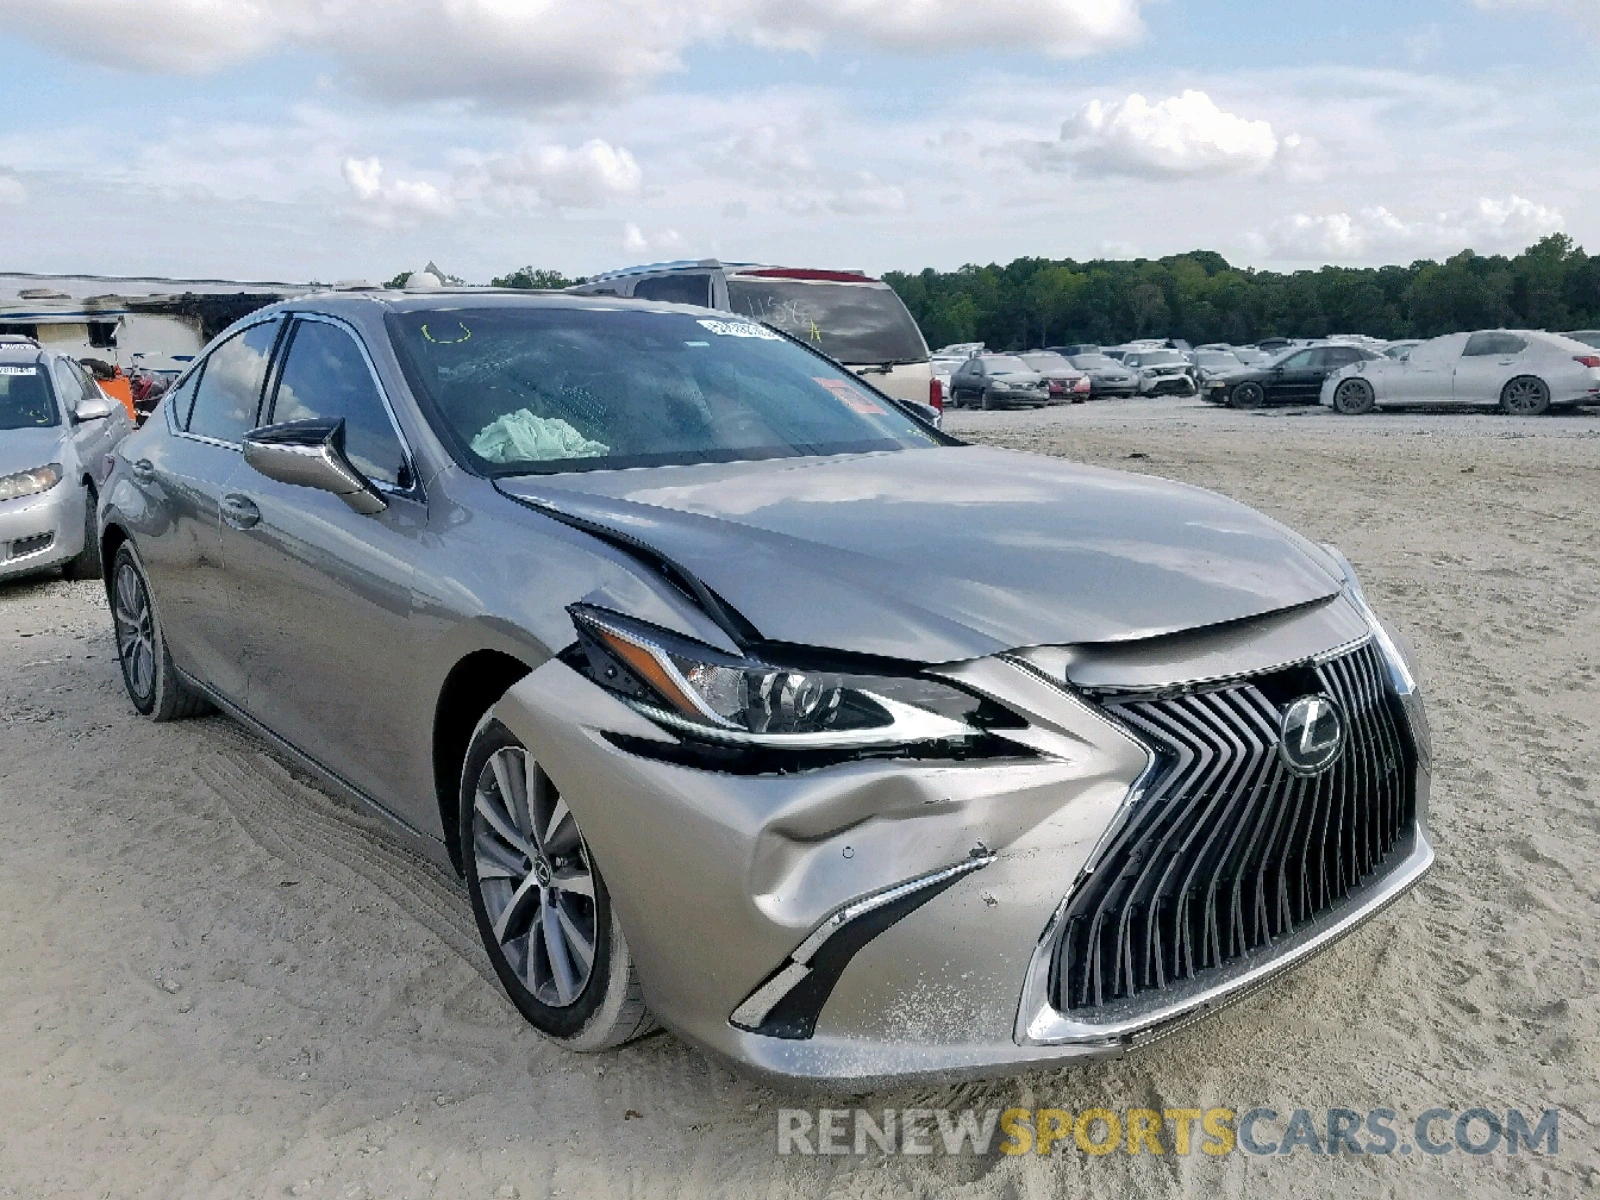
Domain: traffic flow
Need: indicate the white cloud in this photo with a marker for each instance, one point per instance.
(536, 177)
(585, 177)
(1488, 226)
(400, 202)
(660, 241)
(1181, 136)
(11, 190)
(550, 52)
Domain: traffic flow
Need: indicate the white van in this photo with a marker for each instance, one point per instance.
(852, 318)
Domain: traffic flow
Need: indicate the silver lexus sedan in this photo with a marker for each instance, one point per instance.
(750, 705)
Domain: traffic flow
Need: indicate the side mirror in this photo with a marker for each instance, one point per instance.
(94, 408)
(311, 454)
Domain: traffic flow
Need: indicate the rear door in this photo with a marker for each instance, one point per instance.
(324, 594)
(184, 476)
(1487, 362)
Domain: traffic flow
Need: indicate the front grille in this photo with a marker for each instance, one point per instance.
(1227, 849)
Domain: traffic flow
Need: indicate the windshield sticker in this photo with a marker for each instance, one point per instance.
(19, 370)
(740, 329)
(854, 398)
(451, 337)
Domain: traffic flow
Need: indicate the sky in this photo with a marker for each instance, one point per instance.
(353, 139)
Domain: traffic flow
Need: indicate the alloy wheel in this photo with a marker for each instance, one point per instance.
(135, 625)
(535, 877)
(1526, 396)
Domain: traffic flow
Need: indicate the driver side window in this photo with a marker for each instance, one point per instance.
(1298, 362)
(326, 376)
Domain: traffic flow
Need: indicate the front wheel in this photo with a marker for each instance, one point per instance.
(987, 401)
(1353, 397)
(1525, 396)
(87, 564)
(1248, 395)
(542, 908)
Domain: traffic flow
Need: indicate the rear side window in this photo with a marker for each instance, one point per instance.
(1483, 344)
(229, 395)
(676, 289)
(326, 375)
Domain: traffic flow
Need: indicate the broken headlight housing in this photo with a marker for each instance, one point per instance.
(700, 692)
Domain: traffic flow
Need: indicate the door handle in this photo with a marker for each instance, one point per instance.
(240, 511)
(143, 470)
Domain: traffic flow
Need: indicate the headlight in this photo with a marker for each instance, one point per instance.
(1400, 673)
(696, 690)
(30, 483)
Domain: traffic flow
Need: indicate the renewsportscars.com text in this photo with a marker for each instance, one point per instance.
(1211, 1131)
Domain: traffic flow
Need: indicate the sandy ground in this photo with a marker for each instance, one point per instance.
(214, 981)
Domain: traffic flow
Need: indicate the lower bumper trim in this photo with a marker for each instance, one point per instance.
(788, 1002)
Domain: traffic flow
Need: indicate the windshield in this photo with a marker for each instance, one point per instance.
(1251, 358)
(1047, 362)
(1005, 364)
(1160, 358)
(1094, 362)
(25, 401)
(529, 390)
(1215, 358)
(856, 323)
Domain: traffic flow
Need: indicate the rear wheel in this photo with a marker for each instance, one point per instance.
(1352, 397)
(1525, 396)
(1248, 395)
(542, 908)
(147, 672)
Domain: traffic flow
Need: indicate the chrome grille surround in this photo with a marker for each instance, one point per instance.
(1225, 855)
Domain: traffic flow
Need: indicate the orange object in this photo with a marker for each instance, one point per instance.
(119, 389)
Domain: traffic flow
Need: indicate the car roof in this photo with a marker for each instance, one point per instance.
(437, 299)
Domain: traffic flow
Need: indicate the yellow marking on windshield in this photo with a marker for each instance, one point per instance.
(465, 334)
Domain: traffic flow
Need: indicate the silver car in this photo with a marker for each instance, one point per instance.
(56, 429)
(1520, 371)
(750, 705)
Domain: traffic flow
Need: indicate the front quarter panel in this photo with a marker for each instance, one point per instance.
(718, 877)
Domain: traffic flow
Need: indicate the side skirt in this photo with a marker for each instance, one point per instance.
(426, 845)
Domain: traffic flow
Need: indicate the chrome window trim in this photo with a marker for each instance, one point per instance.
(199, 365)
(416, 490)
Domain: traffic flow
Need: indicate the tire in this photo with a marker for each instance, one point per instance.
(1525, 396)
(147, 672)
(1247, 395)
(985, 402)
(87, 564)
(1354, 397)
(539, 899)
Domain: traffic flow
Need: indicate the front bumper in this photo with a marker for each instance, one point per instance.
(42, 531)
(729, 887)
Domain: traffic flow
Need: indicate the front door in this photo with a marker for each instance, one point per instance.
(185, 475)
(324, 594)
(1298, 379)
(1427, 376)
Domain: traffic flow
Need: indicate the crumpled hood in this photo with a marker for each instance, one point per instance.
(952, 553)
(25, 449)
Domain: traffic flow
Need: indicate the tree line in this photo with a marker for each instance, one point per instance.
(1200, 297)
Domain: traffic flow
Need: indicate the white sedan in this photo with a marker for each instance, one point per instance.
(1524, 372)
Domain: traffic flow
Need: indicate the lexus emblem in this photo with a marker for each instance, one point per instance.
(1312, 735)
